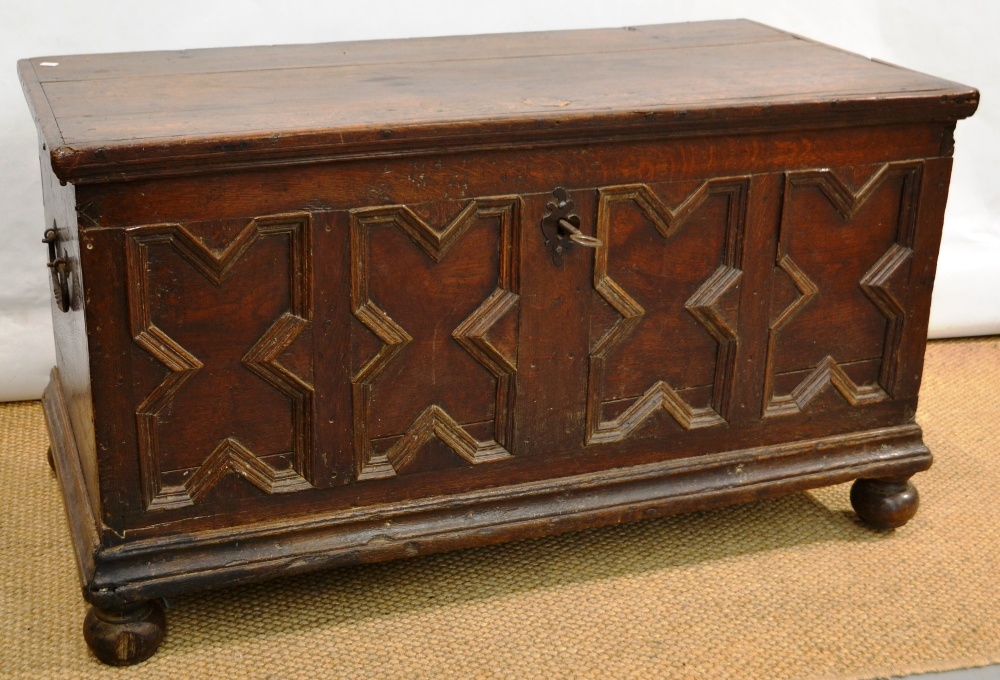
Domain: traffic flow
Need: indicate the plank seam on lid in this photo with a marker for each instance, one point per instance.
(664, 48)
(165, 121)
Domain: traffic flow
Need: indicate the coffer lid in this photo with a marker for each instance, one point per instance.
(119, 116)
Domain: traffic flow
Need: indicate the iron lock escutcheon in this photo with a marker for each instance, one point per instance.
(561, 227)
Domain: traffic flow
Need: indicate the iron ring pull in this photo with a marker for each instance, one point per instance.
(59, 269)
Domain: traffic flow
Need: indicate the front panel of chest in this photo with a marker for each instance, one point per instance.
(397, 340)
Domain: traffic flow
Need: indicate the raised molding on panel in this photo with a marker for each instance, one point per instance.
(702, 306)
(262, 359)
(877, 284)
(471, 334)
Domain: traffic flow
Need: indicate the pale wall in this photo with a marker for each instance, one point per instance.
(955, 40)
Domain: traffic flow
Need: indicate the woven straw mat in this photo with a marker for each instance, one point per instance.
(789, 588)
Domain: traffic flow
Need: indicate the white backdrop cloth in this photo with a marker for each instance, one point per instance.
(955, 40)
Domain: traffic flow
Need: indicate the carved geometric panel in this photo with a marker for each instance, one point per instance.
(178, 287)
(439, 302)
(671, 276)
(843, 261)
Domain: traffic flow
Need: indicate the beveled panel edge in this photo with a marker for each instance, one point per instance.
(261, 359)
(434, 421)
(667, 221)
(161, 567)
(846, 201)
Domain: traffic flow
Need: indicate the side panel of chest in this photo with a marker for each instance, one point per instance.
(342, 341)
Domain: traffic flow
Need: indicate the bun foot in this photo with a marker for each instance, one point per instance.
(125, 636)
(885, 503)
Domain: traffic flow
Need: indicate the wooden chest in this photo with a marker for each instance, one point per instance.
(341, 303)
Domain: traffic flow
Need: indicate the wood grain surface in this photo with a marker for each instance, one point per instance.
(114, 113)
(319, 315)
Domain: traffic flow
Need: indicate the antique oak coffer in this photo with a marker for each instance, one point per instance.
(340, 303)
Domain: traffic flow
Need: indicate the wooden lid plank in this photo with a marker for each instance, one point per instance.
(117, 116)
